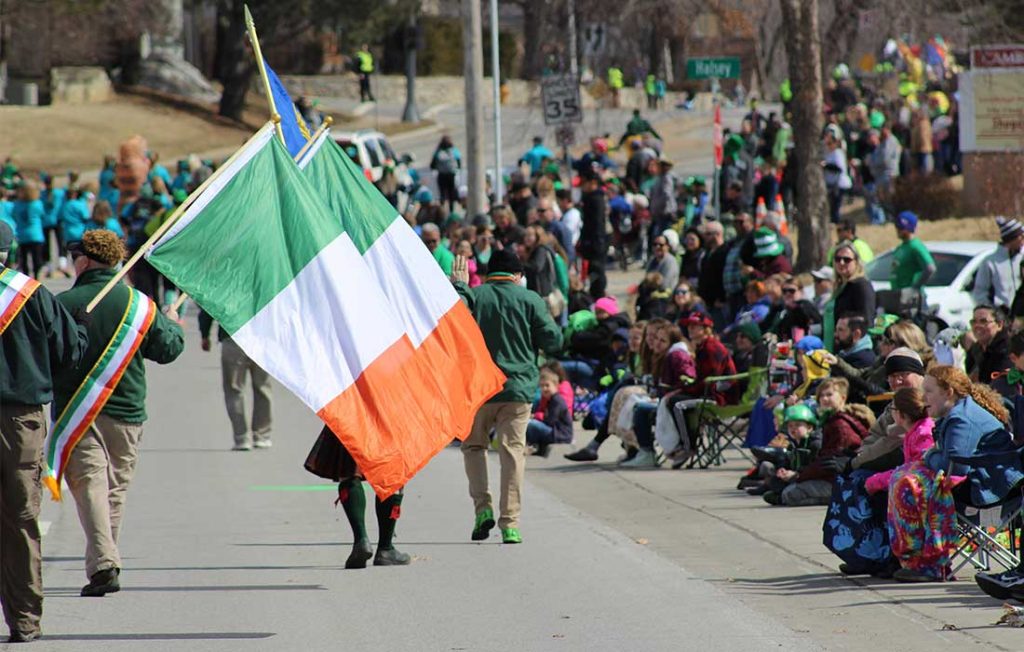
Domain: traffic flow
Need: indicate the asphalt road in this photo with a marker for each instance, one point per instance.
(244, 551)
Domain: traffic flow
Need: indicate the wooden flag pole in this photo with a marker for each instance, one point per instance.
(169, 222)
(250, 26)
(328, 121)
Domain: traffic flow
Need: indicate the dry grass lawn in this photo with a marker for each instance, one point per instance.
(954, 229)
(63, 137)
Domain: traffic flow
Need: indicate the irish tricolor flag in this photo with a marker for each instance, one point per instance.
(261, 252)
(436, 321)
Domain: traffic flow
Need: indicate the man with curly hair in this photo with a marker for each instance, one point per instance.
(101, 465)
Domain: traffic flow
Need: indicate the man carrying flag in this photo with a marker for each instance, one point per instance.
(37, 335)
(99, 408)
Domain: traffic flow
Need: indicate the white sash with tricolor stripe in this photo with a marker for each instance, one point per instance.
(15, 290)
(90, 397)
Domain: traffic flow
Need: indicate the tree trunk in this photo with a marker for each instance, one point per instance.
(235, 63)
(803, 50)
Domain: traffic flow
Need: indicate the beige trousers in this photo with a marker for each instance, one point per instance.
(509, 421)
(22, 428)
(99, 470)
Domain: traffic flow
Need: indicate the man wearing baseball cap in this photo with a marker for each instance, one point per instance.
(912, 264)
(37, 336)
(999, 275)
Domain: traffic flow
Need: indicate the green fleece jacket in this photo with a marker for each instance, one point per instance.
(41, 340)
(163, 343)
(516, 324)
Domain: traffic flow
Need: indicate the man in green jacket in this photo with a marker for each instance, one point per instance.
(37, 336)
(101, 465)
(515, 323)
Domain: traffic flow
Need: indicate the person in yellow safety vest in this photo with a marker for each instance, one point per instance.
(364, 65)
(615, 83)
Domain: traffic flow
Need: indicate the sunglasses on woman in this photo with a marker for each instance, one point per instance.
(844, 259)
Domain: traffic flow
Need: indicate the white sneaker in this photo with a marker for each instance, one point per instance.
(262, 443)
(643, 460)
(242, 447)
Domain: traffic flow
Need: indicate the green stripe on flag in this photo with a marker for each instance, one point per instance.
(250, 240)
(365, 213)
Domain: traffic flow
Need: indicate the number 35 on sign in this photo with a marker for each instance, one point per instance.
(561, 97)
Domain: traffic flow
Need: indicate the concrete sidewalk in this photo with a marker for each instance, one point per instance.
(770, 558)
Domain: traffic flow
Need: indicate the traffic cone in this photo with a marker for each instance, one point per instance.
(780, 208)
(760, 212)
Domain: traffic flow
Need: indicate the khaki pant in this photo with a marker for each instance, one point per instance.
(99, 470)
(235, 365)
(509, 421)
(23, 428)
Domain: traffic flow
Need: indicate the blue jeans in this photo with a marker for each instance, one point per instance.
(580, 373)
(539, 433)
(874, 206)
(643, 424)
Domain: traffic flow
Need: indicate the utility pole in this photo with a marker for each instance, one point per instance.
(473, 71)
(411, 113)
(496, 73)
(574, 67)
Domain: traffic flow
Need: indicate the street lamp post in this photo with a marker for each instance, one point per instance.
(496, 73)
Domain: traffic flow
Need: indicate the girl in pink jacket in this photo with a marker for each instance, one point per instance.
(910, 412)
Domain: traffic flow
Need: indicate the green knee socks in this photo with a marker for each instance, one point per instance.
(388, 512)
(353, 500)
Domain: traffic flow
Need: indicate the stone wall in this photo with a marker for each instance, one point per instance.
(431, 91)
(79, 85)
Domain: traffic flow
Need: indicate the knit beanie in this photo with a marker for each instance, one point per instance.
(903, 359)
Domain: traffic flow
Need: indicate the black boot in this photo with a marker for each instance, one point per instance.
(101, 583)
(388, 512)
(353, 499)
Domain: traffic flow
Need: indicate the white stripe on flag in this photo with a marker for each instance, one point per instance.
(17, 283)
(321, 332)
(101, 381)
(313, 149)
(414, 283)
(218, 184)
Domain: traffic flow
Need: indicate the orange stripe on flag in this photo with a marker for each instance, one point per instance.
(382, 425)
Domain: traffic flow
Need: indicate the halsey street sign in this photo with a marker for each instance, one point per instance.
(713, 67)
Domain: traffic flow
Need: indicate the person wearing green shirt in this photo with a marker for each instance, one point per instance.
(638, 126)
(912, 264)
(846, 230)
(516, 324)
(431, 236)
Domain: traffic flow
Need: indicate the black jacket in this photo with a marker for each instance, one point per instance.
(593, 237)
(710, 286)
(802, 316)
(990, 361)
(596, 343)
(856, 298)
(43, 338)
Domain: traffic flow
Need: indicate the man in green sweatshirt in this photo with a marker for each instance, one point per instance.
(37, 336)
(102, 464)
(515, 323)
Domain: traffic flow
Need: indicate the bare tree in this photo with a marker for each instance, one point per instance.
(803, 50)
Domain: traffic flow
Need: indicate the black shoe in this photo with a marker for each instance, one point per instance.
(1002, 586)
(772, 498)
(886, 572)
(543, 450)
(23, 637)
(101, 583)
(585, 454)
(748, 481)
(848, 569)
(758, 490)
(361, 552)
(391, 557)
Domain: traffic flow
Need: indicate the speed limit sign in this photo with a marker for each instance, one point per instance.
(561, 97)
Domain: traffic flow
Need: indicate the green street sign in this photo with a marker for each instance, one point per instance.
(717, 67)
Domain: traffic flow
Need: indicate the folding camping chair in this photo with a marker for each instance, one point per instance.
(721, 427)
(980, 526)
